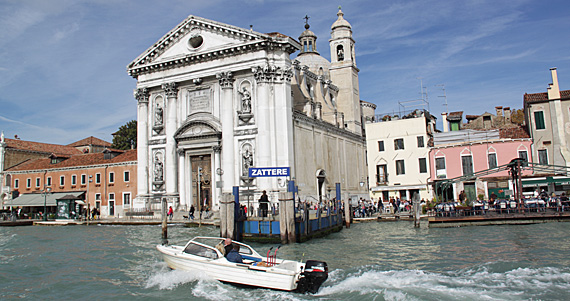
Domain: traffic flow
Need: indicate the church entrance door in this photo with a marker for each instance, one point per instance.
(201, 184)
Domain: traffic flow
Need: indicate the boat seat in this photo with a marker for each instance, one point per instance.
(256, 259)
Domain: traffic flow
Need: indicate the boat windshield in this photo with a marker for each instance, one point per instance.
(213, 241)
(199, 250)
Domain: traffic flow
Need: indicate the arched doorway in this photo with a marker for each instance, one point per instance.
(202, 181)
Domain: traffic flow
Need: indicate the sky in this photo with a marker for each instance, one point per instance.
(63, 62)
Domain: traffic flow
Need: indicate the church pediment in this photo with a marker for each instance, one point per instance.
(199, 125)
(197, 39)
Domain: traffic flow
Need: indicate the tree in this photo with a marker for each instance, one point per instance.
(126, 136)
(517, 116)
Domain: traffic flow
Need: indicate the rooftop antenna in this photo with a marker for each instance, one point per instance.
(424, 95)
(444, 97)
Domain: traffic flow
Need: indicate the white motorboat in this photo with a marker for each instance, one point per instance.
(201, 254)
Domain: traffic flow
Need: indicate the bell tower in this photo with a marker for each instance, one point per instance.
(344, 73)
(308, 39)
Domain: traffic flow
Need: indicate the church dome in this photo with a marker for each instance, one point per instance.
(316, 63)
(340, 22)
(309, 55)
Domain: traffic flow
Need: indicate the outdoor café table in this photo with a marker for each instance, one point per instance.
(463, 210)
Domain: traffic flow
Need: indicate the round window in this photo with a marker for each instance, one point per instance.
(196, 41)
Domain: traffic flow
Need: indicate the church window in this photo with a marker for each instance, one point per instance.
(310, 45)
(196, 41)
(340, 53)
(305, 46)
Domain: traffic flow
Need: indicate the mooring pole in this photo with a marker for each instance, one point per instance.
(164, 224)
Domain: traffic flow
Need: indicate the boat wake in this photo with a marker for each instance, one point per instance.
(499, 280)
(490, 281)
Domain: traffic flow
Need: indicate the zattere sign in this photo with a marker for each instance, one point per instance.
(269, 172)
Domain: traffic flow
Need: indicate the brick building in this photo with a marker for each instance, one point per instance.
(86, 170)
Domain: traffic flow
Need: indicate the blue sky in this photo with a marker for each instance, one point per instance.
(63, 62)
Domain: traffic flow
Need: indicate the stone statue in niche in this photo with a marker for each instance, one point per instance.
(158, 115)
(245, 101)
(158, 169)
(247, 161)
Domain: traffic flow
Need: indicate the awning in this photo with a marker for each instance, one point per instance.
(37, 199)
(545, 181)
(397, 187)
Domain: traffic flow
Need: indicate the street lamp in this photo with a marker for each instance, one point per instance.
(45, 192)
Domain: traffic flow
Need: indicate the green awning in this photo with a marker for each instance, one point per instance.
(546, 181)
(37, 199)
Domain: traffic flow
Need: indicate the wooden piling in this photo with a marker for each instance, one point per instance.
(164, 223)
(290, 204)
(347, 212)
(283, 217)
(223, 217)
(417, 209)
(230, 215)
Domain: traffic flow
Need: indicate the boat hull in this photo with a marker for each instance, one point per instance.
(235, 273)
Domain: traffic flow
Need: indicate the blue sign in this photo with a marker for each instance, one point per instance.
(269, 172)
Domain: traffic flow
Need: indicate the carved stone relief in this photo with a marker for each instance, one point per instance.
(245, 113)
(158, 120)
(246, 152)
(158, 170)
(199, 101)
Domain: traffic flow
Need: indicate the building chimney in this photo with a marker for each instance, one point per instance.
(507, 112)
(499, 111)
(553, 89)
(445, 124)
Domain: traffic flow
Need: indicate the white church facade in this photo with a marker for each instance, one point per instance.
(215, 100)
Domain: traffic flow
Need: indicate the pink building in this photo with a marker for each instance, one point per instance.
(464, 152)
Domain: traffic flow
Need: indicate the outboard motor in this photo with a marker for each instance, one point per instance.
(315, 273)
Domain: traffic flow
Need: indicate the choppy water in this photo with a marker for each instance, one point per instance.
(373, 261)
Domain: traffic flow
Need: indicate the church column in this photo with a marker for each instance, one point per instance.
(217, 176)
(170, 158)
(226, 81)
(183, 194)
(263, 77)
(141, 95)
(283, 118)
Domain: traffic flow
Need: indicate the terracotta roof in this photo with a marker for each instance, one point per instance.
(277, 34)
(514, 132)
(455, 116)
(41, 147)
(75, 161)
(90, 141)
(540, 97)
(471, 117)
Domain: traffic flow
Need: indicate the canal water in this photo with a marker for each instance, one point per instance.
(369, 261)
